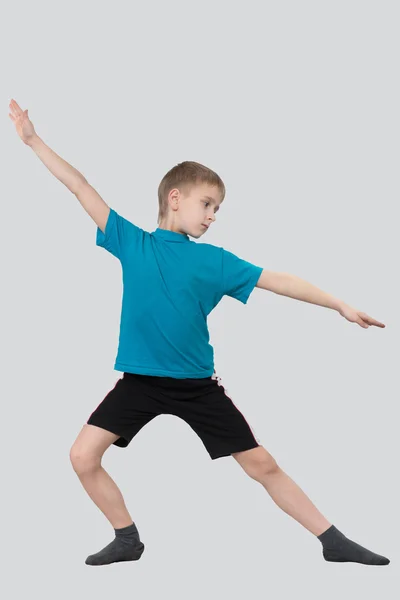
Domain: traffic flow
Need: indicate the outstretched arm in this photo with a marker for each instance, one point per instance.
(91, 201)
(292, 286)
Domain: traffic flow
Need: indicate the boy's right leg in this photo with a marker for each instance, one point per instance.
(85, 455)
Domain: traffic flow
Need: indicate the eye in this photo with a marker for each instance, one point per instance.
(206, 203)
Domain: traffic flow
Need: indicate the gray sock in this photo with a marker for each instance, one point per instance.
(125, 546)
(338, 548)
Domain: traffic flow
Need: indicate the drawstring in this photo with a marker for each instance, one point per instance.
(216, 378)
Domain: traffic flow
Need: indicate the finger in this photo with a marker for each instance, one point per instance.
(14, 110)
(17, 108)
(363, 319)
(372, 321)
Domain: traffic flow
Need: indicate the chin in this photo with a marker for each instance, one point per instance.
(196, 233)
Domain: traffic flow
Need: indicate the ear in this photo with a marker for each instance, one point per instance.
(173, 198)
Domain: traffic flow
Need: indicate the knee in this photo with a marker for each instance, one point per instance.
(257, 462)
(263, 468)
(83, 461)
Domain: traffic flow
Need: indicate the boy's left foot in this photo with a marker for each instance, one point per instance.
(338, 548)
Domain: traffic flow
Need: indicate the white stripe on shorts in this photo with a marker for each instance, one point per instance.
(219, 381)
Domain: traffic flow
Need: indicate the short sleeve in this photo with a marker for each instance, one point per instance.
(119, 235)
(239, 277)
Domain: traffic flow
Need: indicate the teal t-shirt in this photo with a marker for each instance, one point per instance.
(170, 286)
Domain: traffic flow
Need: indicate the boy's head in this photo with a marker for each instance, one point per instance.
(189, 195)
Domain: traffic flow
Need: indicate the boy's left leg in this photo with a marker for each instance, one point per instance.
(262, 467)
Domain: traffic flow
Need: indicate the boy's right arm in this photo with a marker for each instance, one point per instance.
(91, 201)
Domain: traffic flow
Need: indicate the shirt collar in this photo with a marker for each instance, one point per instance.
(170, 236)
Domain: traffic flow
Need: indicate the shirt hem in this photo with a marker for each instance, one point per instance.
(118, 366)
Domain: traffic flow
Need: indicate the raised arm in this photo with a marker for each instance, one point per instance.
(91, 201)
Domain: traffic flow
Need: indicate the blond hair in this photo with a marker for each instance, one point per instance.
(185, 176)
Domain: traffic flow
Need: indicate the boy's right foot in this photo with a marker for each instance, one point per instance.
(126, 546)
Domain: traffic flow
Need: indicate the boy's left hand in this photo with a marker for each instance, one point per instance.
(356, 316)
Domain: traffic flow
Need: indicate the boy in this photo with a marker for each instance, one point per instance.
(171, 284)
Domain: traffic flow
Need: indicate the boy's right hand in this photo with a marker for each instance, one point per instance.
(23, 125)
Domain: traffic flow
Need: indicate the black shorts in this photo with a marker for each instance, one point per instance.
(136, 399)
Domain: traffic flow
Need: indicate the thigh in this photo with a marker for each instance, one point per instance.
(128, 407)
(93, 440)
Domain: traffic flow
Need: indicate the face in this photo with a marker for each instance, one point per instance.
(193, 212)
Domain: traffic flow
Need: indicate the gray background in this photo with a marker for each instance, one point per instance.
(295, 105)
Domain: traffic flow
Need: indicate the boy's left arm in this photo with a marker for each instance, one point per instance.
(292, 286)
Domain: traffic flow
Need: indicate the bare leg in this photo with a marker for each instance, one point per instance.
(262, 467)
(293, 501)
(86, 455)
(106, 495)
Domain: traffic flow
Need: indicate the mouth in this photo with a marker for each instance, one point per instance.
(206, 226)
